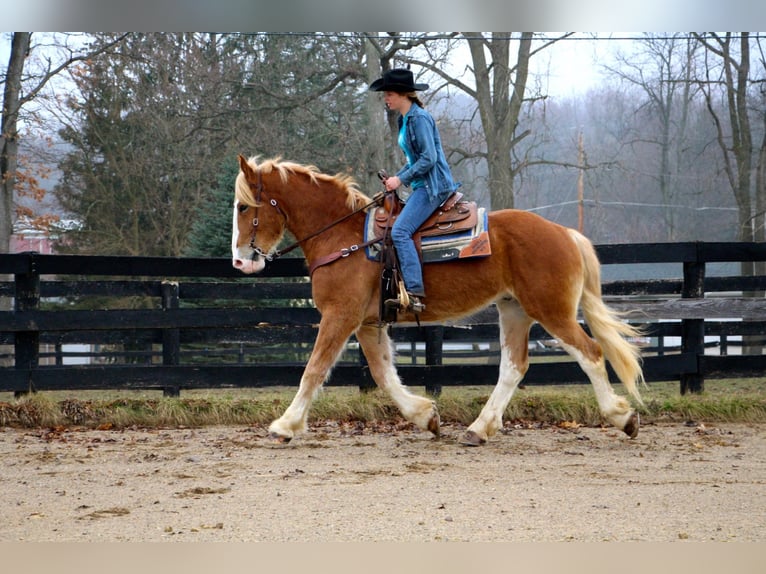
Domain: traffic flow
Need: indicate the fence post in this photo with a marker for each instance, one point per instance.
(693, 330)
(434, 355)
(27, 343)
(171, 338)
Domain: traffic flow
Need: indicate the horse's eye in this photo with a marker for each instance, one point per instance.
(242, 208)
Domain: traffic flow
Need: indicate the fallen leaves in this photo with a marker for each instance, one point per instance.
(173, 532)
(569, 425)
(199, 491)
(105, 513)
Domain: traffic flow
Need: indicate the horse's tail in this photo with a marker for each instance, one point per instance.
(606, 325)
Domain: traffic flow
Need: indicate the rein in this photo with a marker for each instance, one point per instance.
(344, 252)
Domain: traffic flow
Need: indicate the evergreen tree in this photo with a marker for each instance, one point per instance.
(210, 235)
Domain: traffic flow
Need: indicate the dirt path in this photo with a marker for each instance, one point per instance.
(346, 483)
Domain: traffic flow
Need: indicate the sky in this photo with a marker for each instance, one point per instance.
(572, 65)
(569, 67)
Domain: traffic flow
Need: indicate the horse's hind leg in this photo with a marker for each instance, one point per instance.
(514, 362)
(330, 341)
(379, 352)
(588, 353)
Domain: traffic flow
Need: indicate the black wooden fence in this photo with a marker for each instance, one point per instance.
(181, 323)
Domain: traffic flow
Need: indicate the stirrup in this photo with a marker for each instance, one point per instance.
(407, 302)
(415, 304)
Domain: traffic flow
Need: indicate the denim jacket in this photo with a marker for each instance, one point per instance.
(430, 164)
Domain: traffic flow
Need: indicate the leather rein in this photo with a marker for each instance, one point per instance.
(324, 260)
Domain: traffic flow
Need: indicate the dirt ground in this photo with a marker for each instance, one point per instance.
(345, 482)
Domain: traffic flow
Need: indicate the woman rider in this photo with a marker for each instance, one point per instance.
(426, 171)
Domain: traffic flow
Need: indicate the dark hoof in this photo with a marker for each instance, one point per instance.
(470, 438)
(631, 427)
(278, 438)
(434, 425)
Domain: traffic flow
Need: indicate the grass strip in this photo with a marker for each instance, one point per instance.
(741, 400)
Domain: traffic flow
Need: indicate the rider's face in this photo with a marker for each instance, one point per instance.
(396, 101)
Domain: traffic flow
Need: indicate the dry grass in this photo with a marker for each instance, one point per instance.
(741, 400)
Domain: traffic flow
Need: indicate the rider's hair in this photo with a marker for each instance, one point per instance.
(413, 96)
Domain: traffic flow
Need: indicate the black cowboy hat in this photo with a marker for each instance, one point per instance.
(397, 81)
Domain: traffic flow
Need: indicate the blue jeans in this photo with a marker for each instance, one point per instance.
(417, 209)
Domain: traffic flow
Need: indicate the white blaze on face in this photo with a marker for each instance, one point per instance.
(242, 257)
(234, 231)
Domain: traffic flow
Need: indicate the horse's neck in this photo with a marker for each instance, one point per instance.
(319, 210)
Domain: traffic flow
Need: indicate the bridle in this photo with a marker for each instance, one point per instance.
(257, 251)
(345, 252)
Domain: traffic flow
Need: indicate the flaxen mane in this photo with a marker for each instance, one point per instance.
(355, 197)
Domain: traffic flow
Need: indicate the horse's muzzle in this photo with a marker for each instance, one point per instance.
(249, 266)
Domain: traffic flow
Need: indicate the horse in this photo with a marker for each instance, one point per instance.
(538, 271)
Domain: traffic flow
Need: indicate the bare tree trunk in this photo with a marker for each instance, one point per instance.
(499, 109)
(760, 196)
(743, 151)
(10, 134)
(759, 218)
(736, 75)
(9, 144)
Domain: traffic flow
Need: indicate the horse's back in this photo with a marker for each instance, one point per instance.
(528, 238)
(523, 221)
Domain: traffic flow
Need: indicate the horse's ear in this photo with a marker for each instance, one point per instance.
(245, 167)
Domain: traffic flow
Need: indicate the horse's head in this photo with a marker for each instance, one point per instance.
(258, 224)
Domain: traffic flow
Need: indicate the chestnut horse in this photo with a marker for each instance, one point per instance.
(538, 271)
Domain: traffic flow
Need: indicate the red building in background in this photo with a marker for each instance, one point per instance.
(30, 239)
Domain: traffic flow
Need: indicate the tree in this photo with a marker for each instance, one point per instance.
(498, 86)
(151, 126)
(735, 140)
(760, 177)
(734, 132)
(12, 102)
(499, 94)
(19, 90)
(662, 69)
(208, 236)
(145, 137)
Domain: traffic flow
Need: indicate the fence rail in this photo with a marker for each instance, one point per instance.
(185, 323)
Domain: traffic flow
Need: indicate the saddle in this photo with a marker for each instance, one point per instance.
(454, 215)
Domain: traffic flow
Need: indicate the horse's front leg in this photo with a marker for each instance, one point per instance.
(329, 344)
(379, 352)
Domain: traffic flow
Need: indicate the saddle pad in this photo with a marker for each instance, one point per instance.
(473, 242)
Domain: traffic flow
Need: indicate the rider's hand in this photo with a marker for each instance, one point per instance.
(393, 183)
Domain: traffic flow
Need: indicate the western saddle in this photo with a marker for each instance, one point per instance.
(454, 215)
